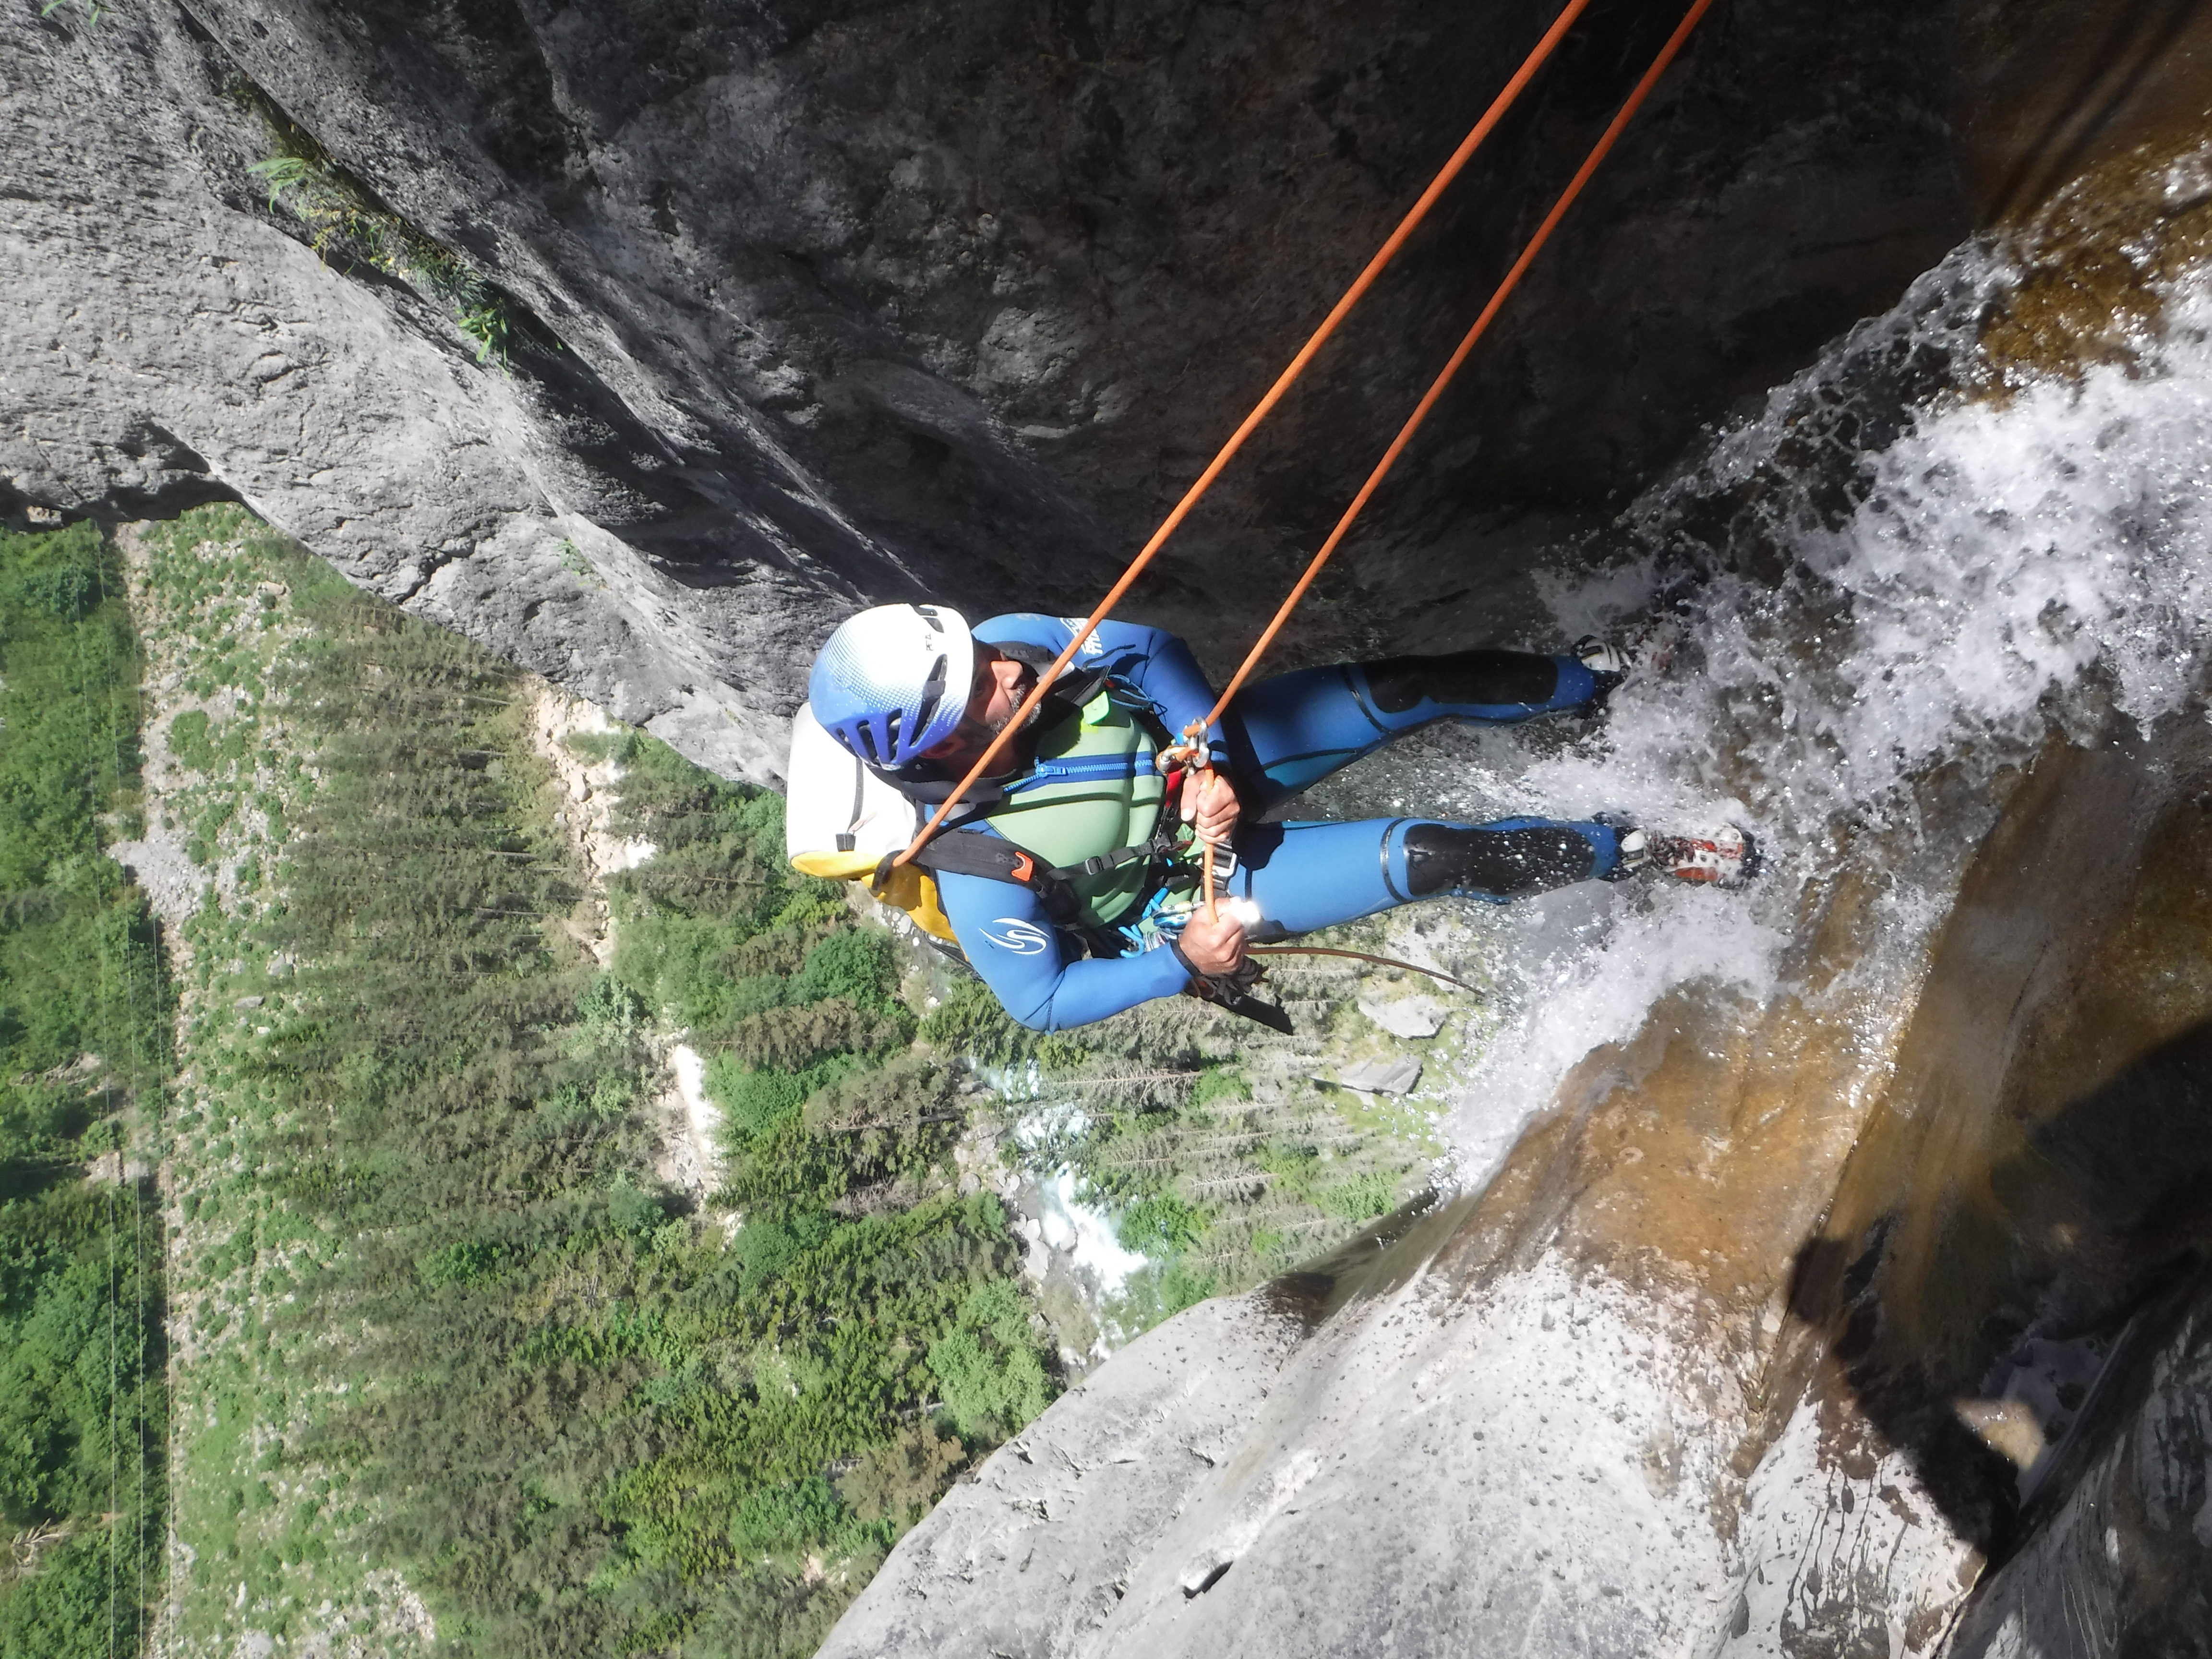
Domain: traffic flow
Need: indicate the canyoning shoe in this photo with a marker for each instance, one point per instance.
(1720, 855)
(1608, 665)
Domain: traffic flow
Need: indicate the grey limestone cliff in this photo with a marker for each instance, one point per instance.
(818, 305)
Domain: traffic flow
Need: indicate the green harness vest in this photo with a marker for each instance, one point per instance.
(1092, 790)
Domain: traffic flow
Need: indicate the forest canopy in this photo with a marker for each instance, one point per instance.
(84, 1010)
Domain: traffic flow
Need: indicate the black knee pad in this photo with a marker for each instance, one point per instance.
(1441, 857)
(1482, 678)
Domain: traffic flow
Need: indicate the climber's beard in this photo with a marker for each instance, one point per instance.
(991, 710)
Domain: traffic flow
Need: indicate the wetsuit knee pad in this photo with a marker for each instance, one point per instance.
(1397, 685)
(1442, 858)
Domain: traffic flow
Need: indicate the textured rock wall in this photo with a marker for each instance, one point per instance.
(832, 302)
(2120, 1566)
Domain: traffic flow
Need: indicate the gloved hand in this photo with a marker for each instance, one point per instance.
(1233, 991)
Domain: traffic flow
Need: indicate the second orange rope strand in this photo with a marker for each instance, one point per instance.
(1194, 735)
(1297, 367)
(1659, 66)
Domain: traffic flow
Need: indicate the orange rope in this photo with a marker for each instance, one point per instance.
(1298, 366)
(1589, 166)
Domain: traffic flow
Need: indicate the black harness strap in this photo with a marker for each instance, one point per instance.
(973, 852)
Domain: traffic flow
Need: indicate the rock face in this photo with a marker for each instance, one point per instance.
(1070, 1508)
(1848, 1293)
(823, 304)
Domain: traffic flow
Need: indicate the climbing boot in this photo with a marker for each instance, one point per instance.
(1608, 665)
(1721, 855)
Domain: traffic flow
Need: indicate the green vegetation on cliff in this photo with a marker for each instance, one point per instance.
(450, 1336)
(474, 1344)
(83, 1012)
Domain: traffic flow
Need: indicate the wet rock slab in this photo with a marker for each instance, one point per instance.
(1222, 1486)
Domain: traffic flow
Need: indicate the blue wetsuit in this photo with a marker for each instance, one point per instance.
(1277, 737)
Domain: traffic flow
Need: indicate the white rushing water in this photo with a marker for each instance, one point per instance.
(1085, 1235)
(1998, 567)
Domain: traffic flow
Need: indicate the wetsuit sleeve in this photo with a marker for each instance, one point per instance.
(1151, 659)
(1010, 942)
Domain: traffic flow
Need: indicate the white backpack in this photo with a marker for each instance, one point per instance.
(840, 821)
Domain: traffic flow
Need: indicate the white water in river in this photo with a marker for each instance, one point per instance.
(1907, 619)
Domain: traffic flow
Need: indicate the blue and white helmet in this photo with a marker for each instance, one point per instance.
(894, 681)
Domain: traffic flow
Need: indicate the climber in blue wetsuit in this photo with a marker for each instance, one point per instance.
(1071, 878)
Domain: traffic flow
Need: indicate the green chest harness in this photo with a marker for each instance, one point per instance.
(1085, 828)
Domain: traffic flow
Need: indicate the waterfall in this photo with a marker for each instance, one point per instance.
(1856, 608)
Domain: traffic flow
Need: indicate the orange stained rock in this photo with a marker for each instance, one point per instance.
(2097, 177)
(2075, 954)
(1697, 1156)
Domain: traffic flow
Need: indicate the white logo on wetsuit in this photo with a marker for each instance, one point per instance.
(1023, 938)
(1093, 647)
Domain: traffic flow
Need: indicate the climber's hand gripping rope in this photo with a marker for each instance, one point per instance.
(1211, 819)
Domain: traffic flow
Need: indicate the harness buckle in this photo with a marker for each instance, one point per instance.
(1024, 866)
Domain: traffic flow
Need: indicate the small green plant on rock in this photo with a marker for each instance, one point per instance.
(486, 323)
(347, 219)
